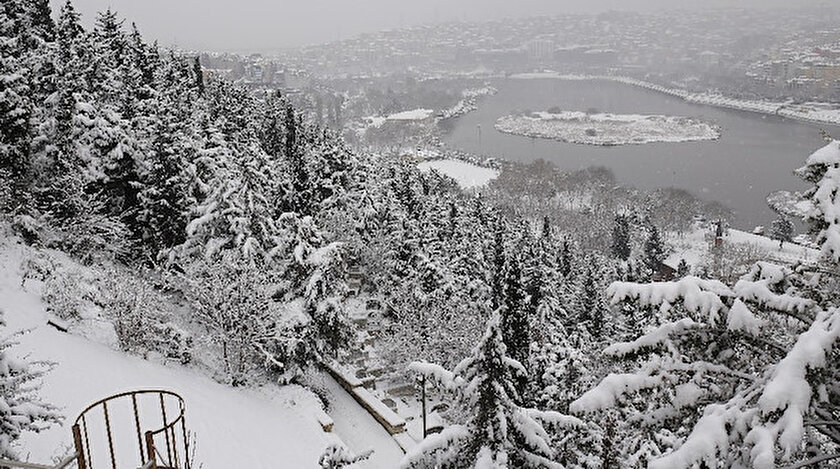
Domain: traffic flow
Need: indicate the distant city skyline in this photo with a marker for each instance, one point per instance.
(265, 25)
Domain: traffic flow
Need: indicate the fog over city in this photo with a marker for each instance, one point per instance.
(265, 25)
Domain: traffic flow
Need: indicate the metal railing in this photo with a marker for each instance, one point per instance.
(158, 448)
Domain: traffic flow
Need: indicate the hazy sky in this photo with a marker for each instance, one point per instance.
(270, 24)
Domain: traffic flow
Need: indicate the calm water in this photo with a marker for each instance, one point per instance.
(755, 155)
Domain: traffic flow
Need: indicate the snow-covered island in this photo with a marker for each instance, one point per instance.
(607, 129)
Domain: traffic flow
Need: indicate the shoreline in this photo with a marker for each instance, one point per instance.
(782, 109)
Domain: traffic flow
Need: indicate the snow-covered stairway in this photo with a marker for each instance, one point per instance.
(375, 384)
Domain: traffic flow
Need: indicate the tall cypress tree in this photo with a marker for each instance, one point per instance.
(620, 247)
(654, 251)
(516, 331)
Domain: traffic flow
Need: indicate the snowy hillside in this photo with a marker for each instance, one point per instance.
(232, 427)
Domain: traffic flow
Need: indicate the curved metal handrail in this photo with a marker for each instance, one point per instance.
(131, 393)
(148, 455)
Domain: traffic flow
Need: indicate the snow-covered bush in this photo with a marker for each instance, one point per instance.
(142, 316)
(230, 300)
(28, 228)
(92, 236)
(70, 292)
(337, 456)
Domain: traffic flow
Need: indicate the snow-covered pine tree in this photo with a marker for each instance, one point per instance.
(543, 288)
(588, 305)
(782, 229)
(110, 157)
(654, 250)
(106, 73)
(822, 169)
(566, 259)
(237, 215)
(316, 272)
(16, 105)
(171, 148)
(729, 375)
(498, 433)
(620, 247)
(516, 329)
(498, 259)
(21, 410)
(58, 186)
(300, 196)
(683, 269)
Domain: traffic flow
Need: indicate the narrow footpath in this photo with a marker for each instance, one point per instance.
(358, 429)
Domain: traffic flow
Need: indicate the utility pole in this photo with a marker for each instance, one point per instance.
(423, 397)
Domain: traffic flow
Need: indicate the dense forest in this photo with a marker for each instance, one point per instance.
(552, 334)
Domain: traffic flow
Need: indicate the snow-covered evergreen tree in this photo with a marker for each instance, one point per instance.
(782, 229)
(21, 409)
(498, 433)
(709, 390)
(654, 250)
(620, 247)
(16, 106)
(516, 328)
(822, 169)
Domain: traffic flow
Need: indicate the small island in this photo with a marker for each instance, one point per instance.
(591, 128)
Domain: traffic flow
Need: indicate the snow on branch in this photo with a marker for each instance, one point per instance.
(653, 338)
(607, 392)
(700, 296)
(555, 418)
(441, 446)
(740, 318)
(759, 292)
(788, 388)
(708, 437)
(440, 374)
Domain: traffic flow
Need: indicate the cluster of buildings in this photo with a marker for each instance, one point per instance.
(802, 69)
(745, 53)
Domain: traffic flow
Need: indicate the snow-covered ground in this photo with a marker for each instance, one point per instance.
(467, 175)
(607, 129)
(267, 427)
(412, 115)
(694, 247)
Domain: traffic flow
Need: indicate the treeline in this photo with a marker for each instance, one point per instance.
(111, 148)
